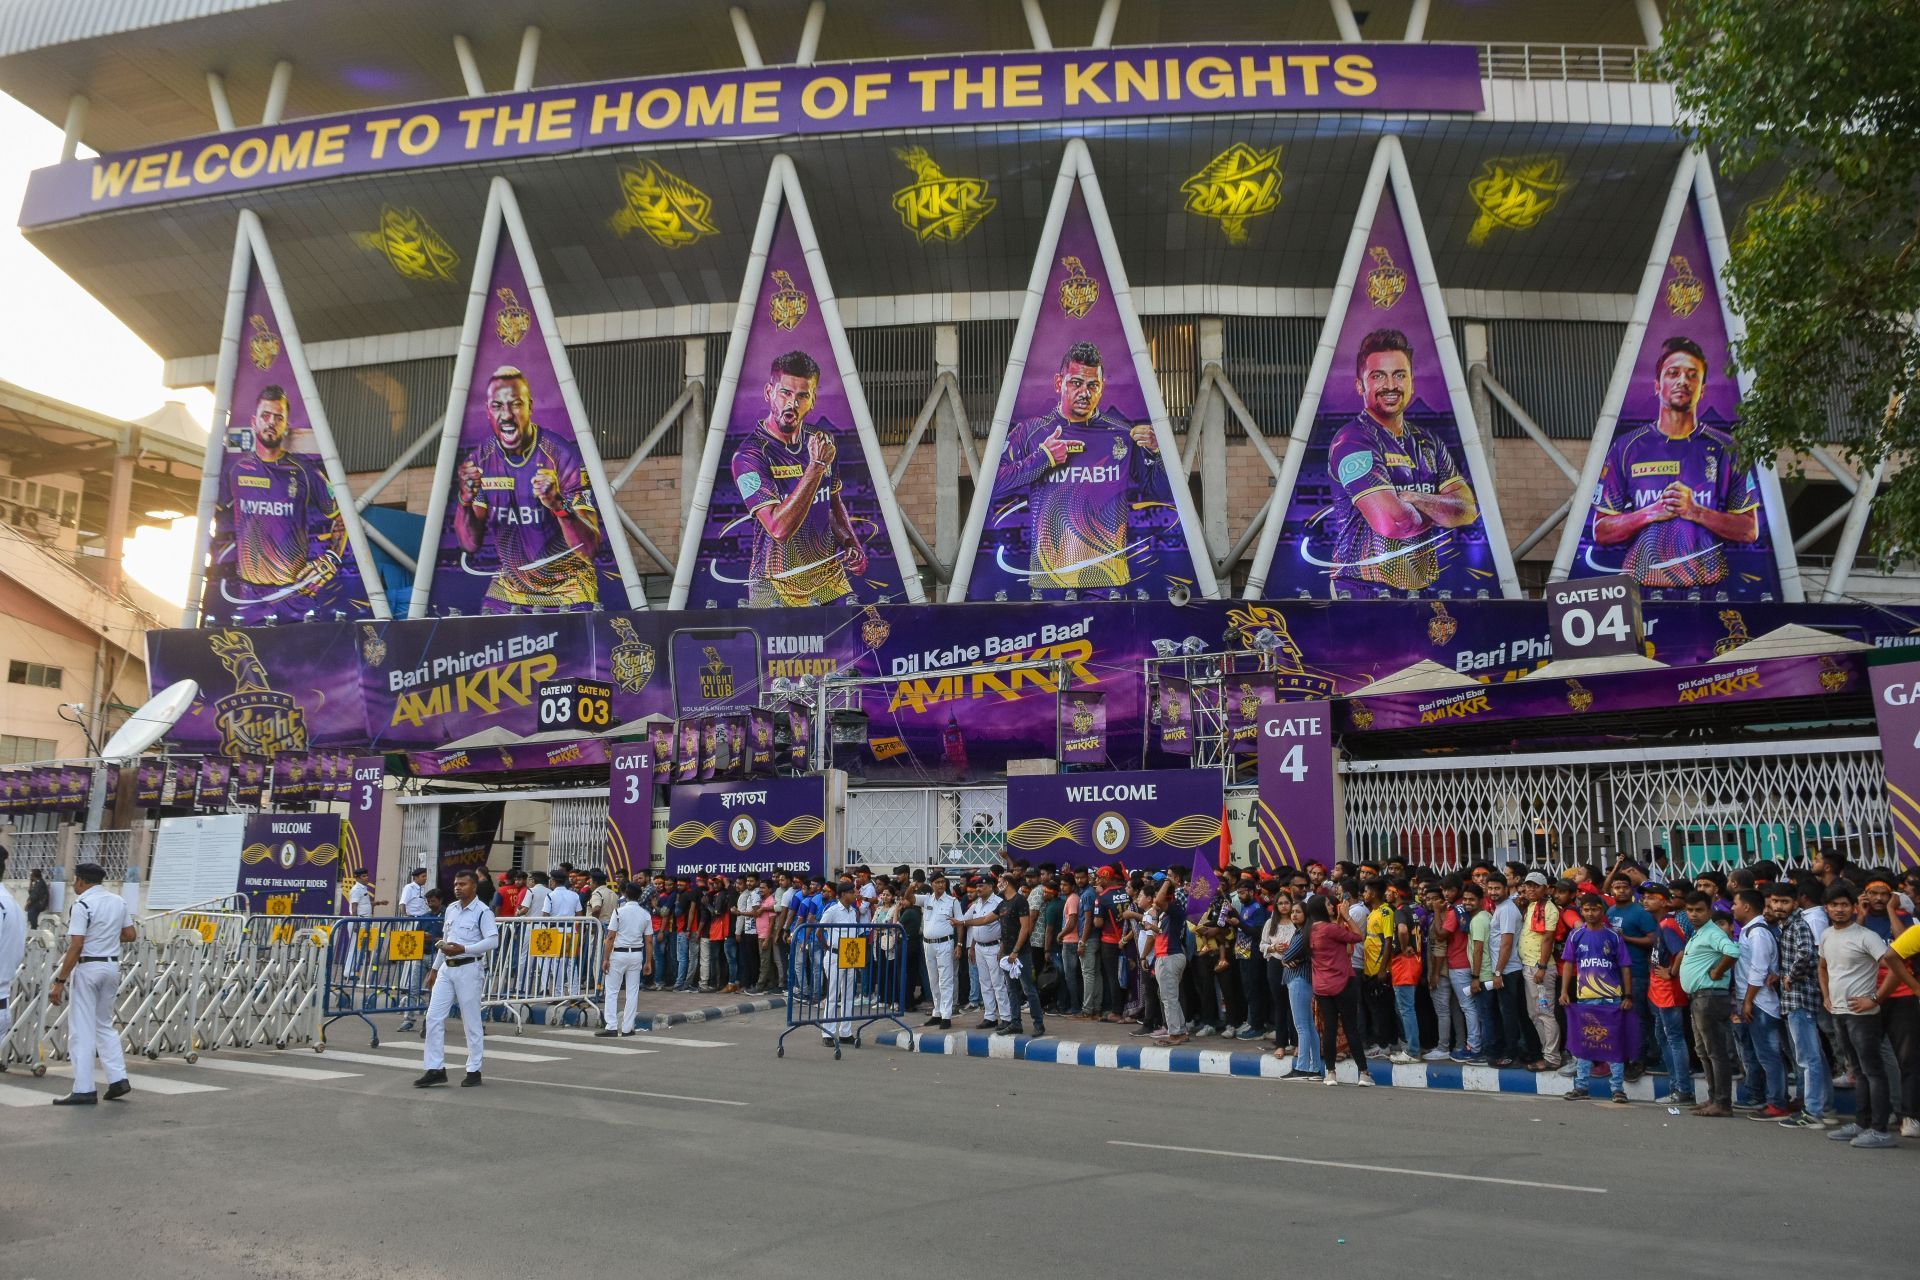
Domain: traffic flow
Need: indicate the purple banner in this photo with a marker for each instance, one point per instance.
(795, 515)
(630, 812)
(686, 752)
(1083, 727)
(1080, 501)
(513, 758)
(290, 863)
(1896, 707)
(759, 742)
(1384, 505)
(148, 779)
(1248, 695)
(210, 788)
(1140, 820)
(1173, 716)
(278, 551)
(360, 830)
(945, 91)
(771, 824)
(1675, 506)
(1603, 1032)
(466, 838)
(249, 780)
(524, 532)
(266, 691)
(664, 735)
(1295, 813)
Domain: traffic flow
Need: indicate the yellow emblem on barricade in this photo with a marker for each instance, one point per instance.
(853, 953)
(546, 943)
(407, 944)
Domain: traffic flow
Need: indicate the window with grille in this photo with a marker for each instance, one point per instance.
(36, 674)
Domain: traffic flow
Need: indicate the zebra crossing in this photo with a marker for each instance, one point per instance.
(174, 1078)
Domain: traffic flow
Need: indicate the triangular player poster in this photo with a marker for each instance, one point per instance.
(522, 519)
(280, 540)
(794, 505)
(1385, 493)
(1665, 495)
(1086, 493)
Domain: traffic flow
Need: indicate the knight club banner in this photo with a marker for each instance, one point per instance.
(1295, 814)
(284, 542)
(1087, 497)
(1141, 819)
(1667, 497)
(630, 811)
(522, 518)
(290, 863)
(1391, 498)
(763, 826)
(798, 506)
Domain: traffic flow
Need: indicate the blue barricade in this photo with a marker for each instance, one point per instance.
(842, 978)
(377, 965)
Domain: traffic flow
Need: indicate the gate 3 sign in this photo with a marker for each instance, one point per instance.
(732, 828)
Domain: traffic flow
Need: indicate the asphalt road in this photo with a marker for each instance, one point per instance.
(710, 1157)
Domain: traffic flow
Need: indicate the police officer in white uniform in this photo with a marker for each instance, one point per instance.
(90, 973)
(940, 936)
(983, 934)
(841, 983)
(467, 934)
(13, 947)
(629, 957)
(413, 901)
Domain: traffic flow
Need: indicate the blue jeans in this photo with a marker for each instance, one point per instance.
(1479, 1019)
(1583, 1069)
(683, 975)
(1069, 963)
(1816, 1083)
(732, 951)
(1461, 981)
(1306, 1056)
(1766, 1070)
(1409, 1012)
(1672, 1024)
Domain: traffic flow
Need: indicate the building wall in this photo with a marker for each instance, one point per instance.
(33, 631)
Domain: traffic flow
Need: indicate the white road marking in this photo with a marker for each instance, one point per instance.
(453, 1051)
(629, 1093)
(577, 1046)
(239, 1067)
(1363, 1168)
(12, 1095)
(644, 1037)
(151, 1083)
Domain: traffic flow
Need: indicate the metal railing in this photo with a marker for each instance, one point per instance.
(33, 851)
(1606, 63)
(108, 848)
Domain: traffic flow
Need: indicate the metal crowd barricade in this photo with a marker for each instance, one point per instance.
(25, 1039)
(842, 978)
(544, 962)
(266, 988)
(376, 965)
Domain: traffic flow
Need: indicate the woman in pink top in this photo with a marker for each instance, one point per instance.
(1335, 993)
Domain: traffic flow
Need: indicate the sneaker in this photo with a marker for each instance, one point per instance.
(1157, 1033)
(471, 1080)
(430, 1077)
(1909, 1128)
(1845, 1133)
(1329, 1080)
(1844, 1080)
(1404, 1059)
(1620, 1098)
(1801, 1121)
(1300, 1075)
(1875, 1140)
(1009, 1029)
(1366, 1080)
(1576, 1095)
(87, 1099)
(1436, 1055)
(1248, 1033)
(1771, 1112)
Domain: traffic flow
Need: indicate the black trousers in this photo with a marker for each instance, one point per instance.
(1335, 1011)
(1283, 1029)
(1115, 1000)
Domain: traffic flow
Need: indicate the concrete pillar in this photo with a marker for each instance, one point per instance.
(1103, 28)
(119, 508)
(743, 32)
(1473, 355)
(949, 454)
(1344, 19)
(810, 34)
(1210, 420)
(529, 59)
(1650, 25)
(1417, 21)
(693, 425)
(469, 67)
(76, 127)
(222, 109)
(1036, 25)
(276, 108)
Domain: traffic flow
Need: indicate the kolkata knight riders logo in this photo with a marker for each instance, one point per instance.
(788, 306)
(1579, 697)
(1082, 718)
(255, 719)
(1515, 193)
(937, 207)
(372, 646)
(874, 629)
(1249, 703)
(1737, 634)
(716, 678)
(1079, 291)
(1685, 292)
(1832, 678)
(512, 320)
(672, 211)
(633, 658)
(1442, 625)
(1362, 716)
(1386, 282)
(1239, 183)
(263, 348)
(411, 246)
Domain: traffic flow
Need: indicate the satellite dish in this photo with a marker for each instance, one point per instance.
(150, 723)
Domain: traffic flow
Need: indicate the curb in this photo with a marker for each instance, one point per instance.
(656, 1021)
(1253, 1064)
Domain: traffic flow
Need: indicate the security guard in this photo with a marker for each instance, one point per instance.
(467, 933)
(95, 930)
(940, 936)
(13, 947)
(983, 934)
(840, 920)
(629, 956)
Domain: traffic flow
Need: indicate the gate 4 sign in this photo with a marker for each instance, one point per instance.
(407, 944)
(1595, 617)
(576, 704)
(1294, 816)
(853, 953)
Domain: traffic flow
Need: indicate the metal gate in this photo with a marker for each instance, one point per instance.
(926, 826)
(577, 832)
(1688, 808)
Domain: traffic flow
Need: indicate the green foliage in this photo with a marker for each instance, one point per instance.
(1821, 98)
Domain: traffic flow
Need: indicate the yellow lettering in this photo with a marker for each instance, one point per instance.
(1173, 79)
(611, 113)
(249, 155)
(419, 135)
(1142, 78)
(1084, 82)
(710, 107)
(379, 130)
(964, 87)
(330, 145)
(556, 120)
(1309, 66)
(872, 87)
(835, 92)
(202, 171)
(929, 79)
(146, 175)
(1274, 77)
(1354, 75)
(517, 121)
(659, 108)
(760, 102)
(110, 176)
(175, 179)
(1020, 86)
(1209, 78)
(290, 153)
(473, 118)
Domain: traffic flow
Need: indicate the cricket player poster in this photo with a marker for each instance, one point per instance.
(798, 506)
(278, 549)
(1673, 502)
(522, 520)
(1082, 496)
(1389, 501)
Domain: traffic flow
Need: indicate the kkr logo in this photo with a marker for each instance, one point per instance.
(410, 246)
(788, 305)
(512, 320)
(1685, 292)
(672, 211)
(1515, 192)
(716, 678)
(1386, 282)
(253, 720)
(936, 207)
(263, 348)
(1238, 184)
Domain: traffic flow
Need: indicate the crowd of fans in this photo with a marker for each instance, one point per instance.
(1778, 987)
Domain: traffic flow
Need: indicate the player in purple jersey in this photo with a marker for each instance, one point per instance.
(529, 488)
(287, 530)
(1080, 469)
(1397, 492)
(1674, 490)
(804, 544)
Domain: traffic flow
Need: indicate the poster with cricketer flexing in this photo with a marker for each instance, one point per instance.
(1674, 503)
(1084, 493)
(279, 549)
(799, 506)
(528, 521)
(1388, 503)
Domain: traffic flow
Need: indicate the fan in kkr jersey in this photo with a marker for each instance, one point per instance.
(804, 544)
(287, 529)
(1674, 490)
(526, 491)
(1398, 494)
(1079, 468)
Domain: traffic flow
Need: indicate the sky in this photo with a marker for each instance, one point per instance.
(112, 372)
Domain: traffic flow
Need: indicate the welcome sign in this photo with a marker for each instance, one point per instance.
(1139, 818)
(733, 828)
